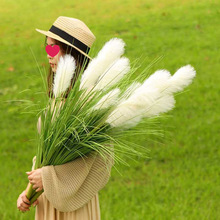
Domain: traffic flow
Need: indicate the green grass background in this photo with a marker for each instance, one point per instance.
(180, 180)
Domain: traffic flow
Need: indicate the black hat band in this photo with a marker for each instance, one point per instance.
(72, 40)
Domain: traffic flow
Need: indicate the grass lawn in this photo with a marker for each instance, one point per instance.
(180, 180)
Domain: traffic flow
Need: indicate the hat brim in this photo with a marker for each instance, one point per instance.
(54, 36)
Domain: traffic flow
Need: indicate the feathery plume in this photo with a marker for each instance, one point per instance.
(163, 104)
(111, 51)
(124, 115)
(131, 89)
(158, 79)
(152, 98)
(130, 111)
(182, 78)
(65, 71)
(113, 74)
(107, 100)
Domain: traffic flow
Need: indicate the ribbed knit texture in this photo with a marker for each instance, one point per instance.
(71, 185)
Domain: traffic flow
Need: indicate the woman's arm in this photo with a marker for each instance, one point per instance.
(72, 185)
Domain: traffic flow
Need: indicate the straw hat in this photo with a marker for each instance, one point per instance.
(72, 32)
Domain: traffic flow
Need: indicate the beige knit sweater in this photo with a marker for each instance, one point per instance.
(70, 186)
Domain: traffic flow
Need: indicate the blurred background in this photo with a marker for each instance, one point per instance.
(180, 180)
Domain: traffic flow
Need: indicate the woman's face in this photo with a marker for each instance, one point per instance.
(53, 61)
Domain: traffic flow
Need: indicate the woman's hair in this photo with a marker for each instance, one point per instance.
(81, 62)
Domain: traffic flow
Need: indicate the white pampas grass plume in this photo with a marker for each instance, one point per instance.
(107, 100)
(158, 79)
(163, 104)
(130, 111)
(131, 89)
(65, 71)
(152, 98)
(182, 78)
(124, 115)
(111, 51)
(113, 74)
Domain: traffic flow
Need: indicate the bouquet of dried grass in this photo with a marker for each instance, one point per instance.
(102, 106)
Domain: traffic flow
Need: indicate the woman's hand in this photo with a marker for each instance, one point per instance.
(35, 178)
(23, 204)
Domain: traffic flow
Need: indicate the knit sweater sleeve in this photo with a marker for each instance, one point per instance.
(70, 186)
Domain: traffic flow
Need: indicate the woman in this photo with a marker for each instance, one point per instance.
(71, 189)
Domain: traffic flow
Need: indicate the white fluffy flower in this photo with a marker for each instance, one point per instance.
(64, 73)
(130, 111)
(153, 97)
(107, 100)
(120, 67)
(181, 79)
(163, 104)
(111, 51)
(159, 79)
(131, 89)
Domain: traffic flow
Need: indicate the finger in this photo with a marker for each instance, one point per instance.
(25, 199)
(28, 204)
(30, 177)
(30, 172)
(22, 208)
(34, 186)
(24, 205)
(32, 181)
(39, 189)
